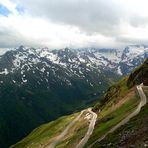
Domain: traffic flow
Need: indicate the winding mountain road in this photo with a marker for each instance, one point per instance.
(90, 129)
(61, 136)
(125, 120)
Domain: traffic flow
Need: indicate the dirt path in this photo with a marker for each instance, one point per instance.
(90, 129)
(134, 113)
(61, 136)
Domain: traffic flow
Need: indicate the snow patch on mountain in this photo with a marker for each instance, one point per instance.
(5, 72)
(76, 62)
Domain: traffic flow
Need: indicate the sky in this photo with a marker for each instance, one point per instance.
(73, 23)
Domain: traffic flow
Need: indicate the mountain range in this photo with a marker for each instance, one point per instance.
(39, 85)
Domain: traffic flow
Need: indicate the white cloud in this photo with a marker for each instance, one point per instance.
(44, 33)
(75, 23)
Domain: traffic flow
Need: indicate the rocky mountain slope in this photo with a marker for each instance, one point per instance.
(119, 101)
(121, 61)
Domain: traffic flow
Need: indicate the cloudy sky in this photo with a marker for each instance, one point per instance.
(73, 23)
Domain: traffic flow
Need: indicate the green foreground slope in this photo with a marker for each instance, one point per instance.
(44, 135)
(120, 100)
(115, 109)
(134, 133)
(45, 132)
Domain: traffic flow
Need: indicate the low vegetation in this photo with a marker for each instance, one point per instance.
(47, 133)
(133, 134)
(120, 100)
(139, 75)
(112, 114)
(44, 134)
(76, 133)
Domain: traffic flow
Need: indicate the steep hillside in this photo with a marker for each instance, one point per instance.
(46, 134)
(119, 101)
(133, 134)
(139, 75)
(118, 90)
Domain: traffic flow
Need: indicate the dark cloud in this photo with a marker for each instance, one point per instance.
(90, 16)
(131, 40)
(12, 38)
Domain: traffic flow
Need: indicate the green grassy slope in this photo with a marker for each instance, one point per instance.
(113, 112)
(45, 133)
(139, 75)
(134, 133)
(75, 134)
(122, 93)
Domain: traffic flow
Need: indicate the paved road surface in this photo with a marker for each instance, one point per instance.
(124, 121)
(61, 136)
(90, 129)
